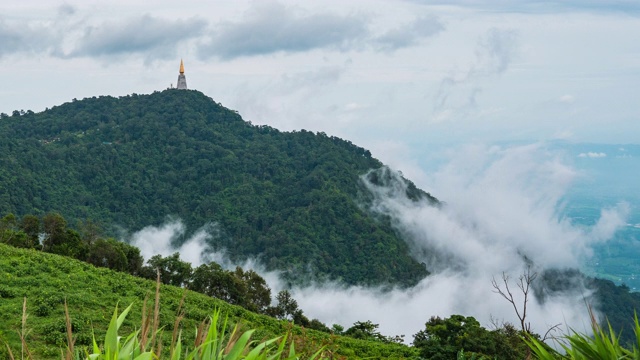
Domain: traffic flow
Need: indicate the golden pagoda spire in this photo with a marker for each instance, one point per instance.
(182, 80)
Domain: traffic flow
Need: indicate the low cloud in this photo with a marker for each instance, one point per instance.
(611, 220)
(502, 205)
(593, 155)
(273, 27)
(66, 10)
(312, 80)
(567, 99)
(265, 28)
(67, 35)
(496, 51)
(148, 35)
(354, 106)
(29, 37)
(562, 135)
(270, 103)
(170, 238)
(458, 92)
(409, 34)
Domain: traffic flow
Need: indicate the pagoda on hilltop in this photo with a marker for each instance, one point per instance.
(182, 80)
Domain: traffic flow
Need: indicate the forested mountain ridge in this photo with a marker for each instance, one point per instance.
(291, 198)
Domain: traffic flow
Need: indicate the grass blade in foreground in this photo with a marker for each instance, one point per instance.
(604, 344)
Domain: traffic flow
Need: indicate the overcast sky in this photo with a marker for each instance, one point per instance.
(392, 76)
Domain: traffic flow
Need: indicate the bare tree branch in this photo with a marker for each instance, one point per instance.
(495, 323)
(524, 284)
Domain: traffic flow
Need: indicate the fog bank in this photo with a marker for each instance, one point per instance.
(503, 208)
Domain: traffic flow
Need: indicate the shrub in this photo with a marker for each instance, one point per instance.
(45, 302)
(6, 292)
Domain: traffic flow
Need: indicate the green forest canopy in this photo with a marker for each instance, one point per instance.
(291, 198)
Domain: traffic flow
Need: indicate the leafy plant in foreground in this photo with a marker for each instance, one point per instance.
(213, 341)
(604, 344)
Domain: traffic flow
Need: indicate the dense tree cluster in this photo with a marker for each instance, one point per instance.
(292, 198)
(444, 339)
(51, 234)
(367, 330)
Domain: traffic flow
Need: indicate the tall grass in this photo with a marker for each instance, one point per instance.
(22, 333)
(215, 339)
(603, 344)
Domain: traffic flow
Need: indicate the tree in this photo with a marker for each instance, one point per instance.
(54, 227)
(524, 283)
(300, 319)
(287, 306)
(107, 253)
(173, 271)
(366, 330)
(446, 338)
(11, 234)
(316, 324)
(258, 293)
(30, 224)
(60, 240)
(211, 279)
(90, 231)
(8, 228)
(134, 258)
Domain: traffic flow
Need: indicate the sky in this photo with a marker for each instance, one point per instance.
(391, 76)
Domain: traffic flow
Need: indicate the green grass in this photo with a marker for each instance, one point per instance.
(47, 280)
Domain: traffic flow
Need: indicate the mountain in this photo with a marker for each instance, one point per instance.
(294, 199)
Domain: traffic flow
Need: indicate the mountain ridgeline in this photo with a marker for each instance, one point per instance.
(293, 199)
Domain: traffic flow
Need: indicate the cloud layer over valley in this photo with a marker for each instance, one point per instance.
(502, 205)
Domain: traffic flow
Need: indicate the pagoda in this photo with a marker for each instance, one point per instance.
(182, 80)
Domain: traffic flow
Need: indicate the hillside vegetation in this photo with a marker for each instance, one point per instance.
(291, 198)
(47, 280)
(294, 200)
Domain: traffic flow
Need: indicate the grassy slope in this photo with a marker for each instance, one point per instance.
(46, 280)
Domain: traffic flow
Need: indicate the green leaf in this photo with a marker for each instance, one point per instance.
(178, 348)
(260, 350)
(130, 347)
(240, 346)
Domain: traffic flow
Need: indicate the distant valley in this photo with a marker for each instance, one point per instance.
(607, 175)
